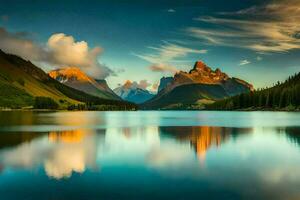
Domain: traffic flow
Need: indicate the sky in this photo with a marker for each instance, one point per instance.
(143, 40)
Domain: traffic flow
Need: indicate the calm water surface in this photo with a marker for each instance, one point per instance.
(149, 155)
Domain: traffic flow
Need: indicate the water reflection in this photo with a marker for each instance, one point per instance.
(73, 151)
(62, 153)
(53, 121)
(10, 139)
(136, 161)
(59, 153)
(293, 133)
(67, 136)
(200, 138)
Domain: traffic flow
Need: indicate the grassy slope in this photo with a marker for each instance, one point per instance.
(25, 85)
(93, 88)
(102, 94)
(13, 97)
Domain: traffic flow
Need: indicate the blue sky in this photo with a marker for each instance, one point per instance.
(258, 41)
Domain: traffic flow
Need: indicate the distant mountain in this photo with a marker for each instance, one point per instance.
(75, 78)
(164, 81)
(282, 96)
(21, 81)
(194, 89)
(132, 93)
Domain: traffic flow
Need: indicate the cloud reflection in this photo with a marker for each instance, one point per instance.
(60, 153)
(169, 151)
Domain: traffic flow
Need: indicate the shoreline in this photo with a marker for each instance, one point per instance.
(238, 110)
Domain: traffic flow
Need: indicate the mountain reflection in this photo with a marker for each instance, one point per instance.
(62, 153)
(72, 136)
(203, 138)
(10, 139)
(11, 118)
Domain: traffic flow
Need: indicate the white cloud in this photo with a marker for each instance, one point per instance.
(270, 28)
(67, 52)
(259, 58)
(163, 68)
(171, 10)
(20, 44)
(60, 50)
(142, 84)
(154, 87)
(244, 62)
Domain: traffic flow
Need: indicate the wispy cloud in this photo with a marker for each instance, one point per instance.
(163, 68)
(244, 62)
(270, 28)
(168, 52)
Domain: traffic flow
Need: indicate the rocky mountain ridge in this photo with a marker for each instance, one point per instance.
(200, 84)
(75, 78)
(201, 74)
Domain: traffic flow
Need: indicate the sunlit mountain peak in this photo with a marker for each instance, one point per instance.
(69, 73)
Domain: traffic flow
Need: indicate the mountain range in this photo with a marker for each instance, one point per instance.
(131, 92)
(196, 88)
(21, 82)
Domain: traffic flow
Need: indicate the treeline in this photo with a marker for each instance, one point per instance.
(45, 103)
(94, 107)
(282, 96)
(49, 103)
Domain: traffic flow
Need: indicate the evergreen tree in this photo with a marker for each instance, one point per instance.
(280, 96)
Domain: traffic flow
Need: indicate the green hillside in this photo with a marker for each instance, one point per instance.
(26, 81)
(282, 96)
(13, 97)
(21, 81)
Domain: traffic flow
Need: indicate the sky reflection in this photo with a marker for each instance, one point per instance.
(62, 153)
(254, 161)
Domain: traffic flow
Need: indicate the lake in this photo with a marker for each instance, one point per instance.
(149, 155)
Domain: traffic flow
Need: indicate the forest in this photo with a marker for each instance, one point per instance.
(282, 96)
